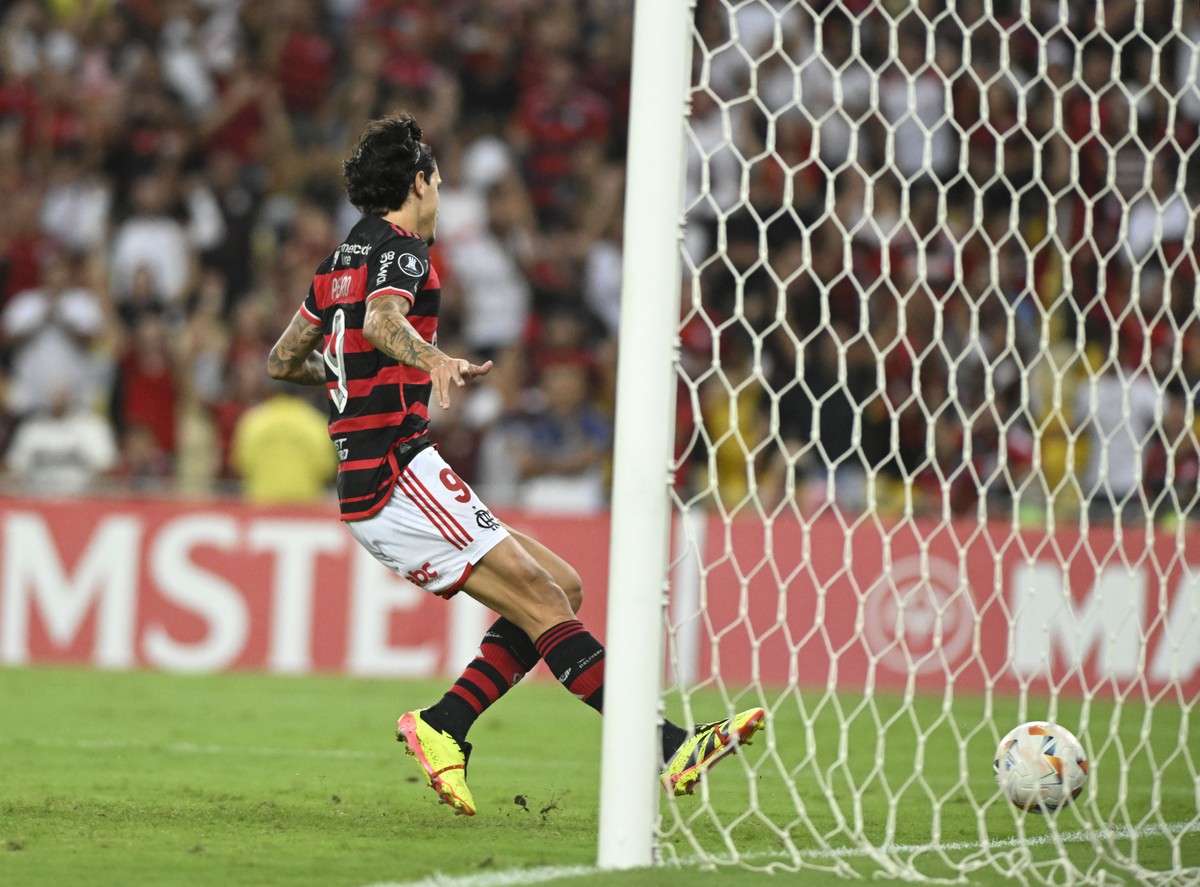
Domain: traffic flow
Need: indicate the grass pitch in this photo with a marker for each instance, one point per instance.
(115, 778)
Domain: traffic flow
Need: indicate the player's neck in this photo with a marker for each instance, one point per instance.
(405, 217)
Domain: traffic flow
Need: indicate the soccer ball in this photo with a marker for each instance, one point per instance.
(1040, 767)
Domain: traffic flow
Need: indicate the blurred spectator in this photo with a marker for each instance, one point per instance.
(713, 167)
(459, 431)
(359, 92)
(913, 94)
(142, 465)
(489, 62)
(735, 424)
(495, 410)
(561, 335)
(49, 332)
(200, 345)
(1117, 408)
(1172, 462)
(602, 278)
(23, 244)
(62, 449)
(242, 389)
(185, 67)
(561, 450)
(1187, 66)
(835, 91)
(146, 398)
(304, 60)
(281, 449)
(154, 240)
(248, 118)
(488, 266)
(1160, 219)
(237, 190)
(554, 115)
(77, 203)
(592, 191)
(841, 380)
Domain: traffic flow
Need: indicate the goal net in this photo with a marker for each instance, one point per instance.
(936, 455)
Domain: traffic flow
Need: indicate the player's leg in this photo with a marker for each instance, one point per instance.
(563, 574)
(501, 580)
(436, 532)
(507, 650)
(506, 654)
(510, 581)
(431, 531)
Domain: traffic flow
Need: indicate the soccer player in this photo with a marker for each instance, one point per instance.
(368, 332)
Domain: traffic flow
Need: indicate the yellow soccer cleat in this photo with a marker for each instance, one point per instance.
(707, 745)
(441, 757)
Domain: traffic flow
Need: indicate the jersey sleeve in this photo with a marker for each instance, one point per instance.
(309, 307)
(399, 267)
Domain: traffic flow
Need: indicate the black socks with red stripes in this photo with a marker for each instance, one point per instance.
(506, 654)
(576, 659)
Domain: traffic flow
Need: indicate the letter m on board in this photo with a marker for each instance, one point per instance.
(104, 579)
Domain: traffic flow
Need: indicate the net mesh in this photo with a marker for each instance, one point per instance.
(936, 453)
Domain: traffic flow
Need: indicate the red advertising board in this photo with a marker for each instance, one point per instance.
(207, 587)
(871, 603)
(214, 586)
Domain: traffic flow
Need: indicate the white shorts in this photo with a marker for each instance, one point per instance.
(433, 529)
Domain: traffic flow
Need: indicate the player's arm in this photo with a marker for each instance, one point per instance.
(386, 326)
(295, 357)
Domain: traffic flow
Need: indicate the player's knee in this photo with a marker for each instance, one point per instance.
(572, 587)
(535, 586)
(546, 594)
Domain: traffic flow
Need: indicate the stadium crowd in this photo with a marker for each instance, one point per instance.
(901, 225)
(947, 256)
(173, 177)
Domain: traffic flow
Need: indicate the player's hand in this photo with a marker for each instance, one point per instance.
(454, 371)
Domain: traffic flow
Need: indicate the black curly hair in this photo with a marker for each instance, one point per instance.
(380, 172)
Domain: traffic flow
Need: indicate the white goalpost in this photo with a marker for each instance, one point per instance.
(907, 436)
(646, 389)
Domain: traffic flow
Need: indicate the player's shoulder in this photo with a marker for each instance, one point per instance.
(373, 241)
(379, 234)
(407, 244)
(402, 252)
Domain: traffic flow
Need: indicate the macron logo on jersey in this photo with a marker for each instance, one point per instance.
(346, 250)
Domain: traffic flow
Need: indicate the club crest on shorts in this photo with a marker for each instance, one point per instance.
(484, 518)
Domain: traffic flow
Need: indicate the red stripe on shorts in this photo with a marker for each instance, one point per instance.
(441, 527)
(435, 518)
(433, 499)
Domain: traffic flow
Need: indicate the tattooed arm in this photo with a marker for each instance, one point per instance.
(294, 357)
(387, 328)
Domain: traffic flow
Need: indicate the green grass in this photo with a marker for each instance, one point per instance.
(113, 778)
(908, 773)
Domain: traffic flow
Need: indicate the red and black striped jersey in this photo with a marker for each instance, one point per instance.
(378, 407)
